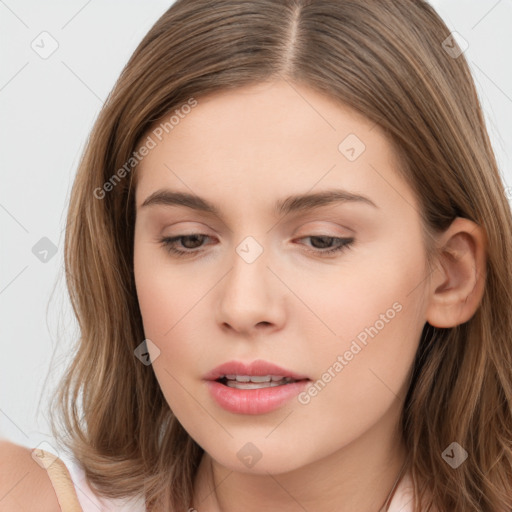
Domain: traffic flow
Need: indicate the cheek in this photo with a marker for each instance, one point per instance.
(376, 312)
(167, 309)
(376, 284)
(165, 303)
(165, 293)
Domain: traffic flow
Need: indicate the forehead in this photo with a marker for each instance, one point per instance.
(274, 137)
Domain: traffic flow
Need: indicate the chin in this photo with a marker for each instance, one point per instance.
(258, 458)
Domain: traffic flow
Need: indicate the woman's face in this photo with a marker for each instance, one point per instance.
(257, 282)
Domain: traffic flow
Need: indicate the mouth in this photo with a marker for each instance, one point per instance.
(255, 381)
(254, 375)
(258, 387)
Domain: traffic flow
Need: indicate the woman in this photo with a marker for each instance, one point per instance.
(224, 361)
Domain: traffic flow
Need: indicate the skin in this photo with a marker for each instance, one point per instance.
(243, 150)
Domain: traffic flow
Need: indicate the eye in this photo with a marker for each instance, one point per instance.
(193, 240)
(169, 243)
(340, 243)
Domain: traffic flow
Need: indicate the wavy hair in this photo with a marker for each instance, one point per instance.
(386, 59)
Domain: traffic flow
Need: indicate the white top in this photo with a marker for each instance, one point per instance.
(402, 500)
(90, 502)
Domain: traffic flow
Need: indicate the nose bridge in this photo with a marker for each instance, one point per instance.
(250, 249)
(249, 269)
(248, 297)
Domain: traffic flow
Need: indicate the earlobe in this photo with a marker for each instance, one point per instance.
(457, 283)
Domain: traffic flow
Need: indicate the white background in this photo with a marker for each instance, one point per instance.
(47, 108)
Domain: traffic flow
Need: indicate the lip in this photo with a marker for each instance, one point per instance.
(253, 401)
(255, 368)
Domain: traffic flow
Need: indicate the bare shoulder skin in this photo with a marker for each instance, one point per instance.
(24, 485)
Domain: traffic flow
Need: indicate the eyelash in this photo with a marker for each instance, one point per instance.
(169, 245)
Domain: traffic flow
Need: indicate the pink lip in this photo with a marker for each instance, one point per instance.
(253, 401)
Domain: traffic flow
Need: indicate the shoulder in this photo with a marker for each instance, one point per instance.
(24, 484)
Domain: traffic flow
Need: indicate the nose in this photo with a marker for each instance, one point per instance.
(251, 297)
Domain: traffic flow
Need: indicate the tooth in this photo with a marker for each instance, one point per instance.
(257, 378)
(263, 378)
(251, 385)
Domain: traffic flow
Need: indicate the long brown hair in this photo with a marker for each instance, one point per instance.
(388, 60)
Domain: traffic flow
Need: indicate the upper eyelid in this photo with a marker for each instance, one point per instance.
(183, 230)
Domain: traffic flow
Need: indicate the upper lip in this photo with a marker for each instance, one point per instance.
(254, 368)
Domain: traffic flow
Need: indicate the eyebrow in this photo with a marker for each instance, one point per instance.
(291, 204)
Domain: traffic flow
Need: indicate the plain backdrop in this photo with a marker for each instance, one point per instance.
(48, 104)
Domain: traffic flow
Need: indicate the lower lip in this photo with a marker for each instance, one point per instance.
(254, 401)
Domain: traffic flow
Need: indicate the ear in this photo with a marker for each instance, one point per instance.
(457, 283)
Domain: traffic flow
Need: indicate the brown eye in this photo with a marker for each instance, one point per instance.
(326, 241)
(189, 242)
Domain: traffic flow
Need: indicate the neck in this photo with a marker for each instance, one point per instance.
(359, 476)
